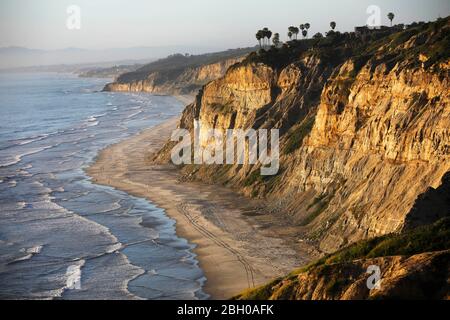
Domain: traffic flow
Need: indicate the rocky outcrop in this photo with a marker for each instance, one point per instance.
(422, 276)
(364, 127)
(430, 206)
(414, 264)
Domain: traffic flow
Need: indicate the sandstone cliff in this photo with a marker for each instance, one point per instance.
(364, 126)
(177, 74)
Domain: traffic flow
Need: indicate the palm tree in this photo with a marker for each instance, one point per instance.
(291, 30)
(289, 35)
(391, 17)
(259, 37)
(264, 33)
(332, 25)
(268, 36)
(276, 40)
(296, 31)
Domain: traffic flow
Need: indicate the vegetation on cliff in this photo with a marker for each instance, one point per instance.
(335, 275)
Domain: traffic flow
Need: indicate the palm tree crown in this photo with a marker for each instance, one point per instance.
(391, 17)
(276, 39)
(263, 34)
(259, 36)
(294, 31)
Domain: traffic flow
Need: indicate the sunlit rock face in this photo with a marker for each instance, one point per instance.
(365, 129)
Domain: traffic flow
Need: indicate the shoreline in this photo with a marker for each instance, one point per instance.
(235, 250)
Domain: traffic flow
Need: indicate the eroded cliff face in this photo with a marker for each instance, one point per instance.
(187, 81)
(364, 130)
(378, 141)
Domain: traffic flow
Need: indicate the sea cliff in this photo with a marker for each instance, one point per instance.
(364, 128)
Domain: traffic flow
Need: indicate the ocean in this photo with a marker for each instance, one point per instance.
(61, 236)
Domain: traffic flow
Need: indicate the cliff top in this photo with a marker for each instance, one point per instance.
(427, 43)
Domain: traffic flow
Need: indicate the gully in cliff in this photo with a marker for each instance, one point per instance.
(251, 146)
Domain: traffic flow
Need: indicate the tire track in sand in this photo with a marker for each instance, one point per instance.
(183, 208)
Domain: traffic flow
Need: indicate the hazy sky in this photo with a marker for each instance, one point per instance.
(219, 23)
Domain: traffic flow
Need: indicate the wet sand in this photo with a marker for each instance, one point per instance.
(237, 244)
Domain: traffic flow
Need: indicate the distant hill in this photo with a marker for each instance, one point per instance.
(14, 57)
(179, 74)
(108, 72)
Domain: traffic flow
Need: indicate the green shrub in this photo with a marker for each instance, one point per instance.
(429, 238)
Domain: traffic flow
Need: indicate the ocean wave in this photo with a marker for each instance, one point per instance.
(14, 159)
(114, 248)
(10, 162)
(92, 124)
(29, 253)
(134, 114)
(25, 141)
(73, 274)
(10, 206)
(96, 116)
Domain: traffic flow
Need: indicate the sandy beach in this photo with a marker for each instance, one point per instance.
(238, 246)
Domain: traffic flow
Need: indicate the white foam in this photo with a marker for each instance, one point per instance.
(93, 124)
(134, 114)
(21, 204)
(114, 248)
(95, 117)
(17, 158)
(30, 253)
(73, 273)
(35, 249)
(32, 139)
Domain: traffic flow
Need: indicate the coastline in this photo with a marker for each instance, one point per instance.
(236, 250)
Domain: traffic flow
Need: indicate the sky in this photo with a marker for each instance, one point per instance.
(42, 24)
